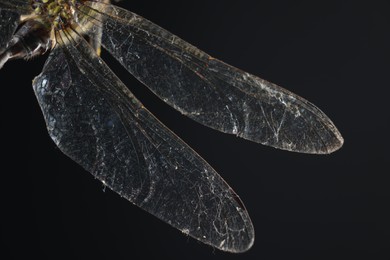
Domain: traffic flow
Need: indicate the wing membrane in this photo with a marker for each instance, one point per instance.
(96, 121)
(8, 23)
(17, 6)
(211, 92)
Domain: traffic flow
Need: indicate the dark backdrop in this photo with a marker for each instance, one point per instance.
(334, 53)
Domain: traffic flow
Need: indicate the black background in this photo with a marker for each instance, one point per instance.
(333, 53)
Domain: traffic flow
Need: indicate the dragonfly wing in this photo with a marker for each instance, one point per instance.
(9, 21)
(211, 92)
(17, 6)
(94, 119)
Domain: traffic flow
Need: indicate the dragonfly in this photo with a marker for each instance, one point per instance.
(95, 119)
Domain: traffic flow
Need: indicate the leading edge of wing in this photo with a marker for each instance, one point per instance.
(95, 120)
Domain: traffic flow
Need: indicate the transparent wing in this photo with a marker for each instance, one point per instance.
(8, 23)
(96, 121)
(209, 91)
(17, 6)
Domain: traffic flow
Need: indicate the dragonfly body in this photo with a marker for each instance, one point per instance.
(32, 39)
(34, 35)
(95, 120)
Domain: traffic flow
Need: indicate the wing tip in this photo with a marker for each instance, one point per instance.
(331, 144)
(335, 144)
(331, 138)
(242, 245)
